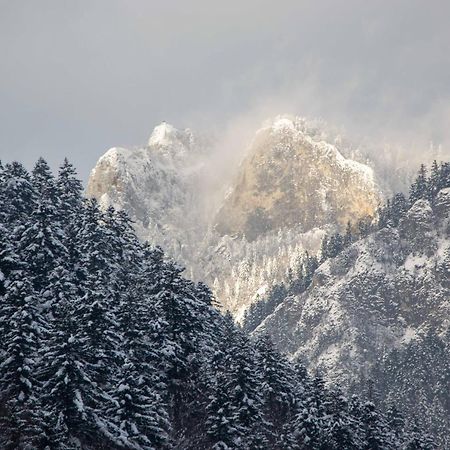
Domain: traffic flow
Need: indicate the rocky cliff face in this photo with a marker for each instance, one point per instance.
(292, 177)
(157, 185)
(291, 186)
(381, 304)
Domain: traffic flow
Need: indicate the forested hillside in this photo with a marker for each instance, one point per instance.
(374, 310)
(106, 346)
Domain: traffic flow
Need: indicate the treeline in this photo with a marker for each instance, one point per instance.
(106, 346)
(426, 186)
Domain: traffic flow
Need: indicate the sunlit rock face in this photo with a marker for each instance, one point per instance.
(292, 177)
(291, 186)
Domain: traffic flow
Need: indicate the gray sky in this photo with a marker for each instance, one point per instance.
(77, 77)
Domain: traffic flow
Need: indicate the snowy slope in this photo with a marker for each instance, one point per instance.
(385, 293)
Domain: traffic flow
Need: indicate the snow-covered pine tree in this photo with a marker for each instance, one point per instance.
(39, 243)
(69, 190)
(341, 429)
(140, 418)
(434, 180)
(140, 412)
(70, 396)
(184, 330)
(240, 388)
(20, 330)
(278, 407)
(419, 188)
(44, 184)
(17, 195)
(7, 257)
(399, 207)
(99, 301)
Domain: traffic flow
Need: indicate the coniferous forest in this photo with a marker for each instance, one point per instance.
(105, 345)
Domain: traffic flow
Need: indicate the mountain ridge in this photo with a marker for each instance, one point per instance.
(160, 186)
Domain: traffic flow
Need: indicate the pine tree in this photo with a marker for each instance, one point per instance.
(99, 301)
(376, 432)
(396, 422)
(7, 258)
(310, 266)
(39, 243)
(324, 249)
(20, 329)
(224, 431)
(141, 416)
(341, 428)
(234, 412)
(385, 216)
(435, 181)
(419, 189)
(17, 196)
(348, 236)
(399, 208)
(307, 424)
(445, 175)
(70, 395)
(44, 184)
(278, 391)
(69, 190)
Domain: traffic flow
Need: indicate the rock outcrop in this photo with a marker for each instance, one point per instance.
(292, 177)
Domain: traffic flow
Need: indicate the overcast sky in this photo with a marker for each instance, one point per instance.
(78, 77)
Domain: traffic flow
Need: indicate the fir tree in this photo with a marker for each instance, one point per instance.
(348, 236)
(20, 329)
(419, 189)
(278, 391)
(18, 195)
(399, 208)
(69, 190)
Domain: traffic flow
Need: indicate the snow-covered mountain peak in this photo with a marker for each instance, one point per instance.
(297, 126)
(283, 123)
(166, 136)
(162, 134)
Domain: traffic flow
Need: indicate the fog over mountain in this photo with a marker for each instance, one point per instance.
(293, 184)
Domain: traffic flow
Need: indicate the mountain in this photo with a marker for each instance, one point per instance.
(378, 312)
(291, 187)
(373, 316)
(157, 185)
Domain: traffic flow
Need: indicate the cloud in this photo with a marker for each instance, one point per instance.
(79, 77)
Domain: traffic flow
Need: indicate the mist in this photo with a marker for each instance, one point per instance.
(78, 78)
